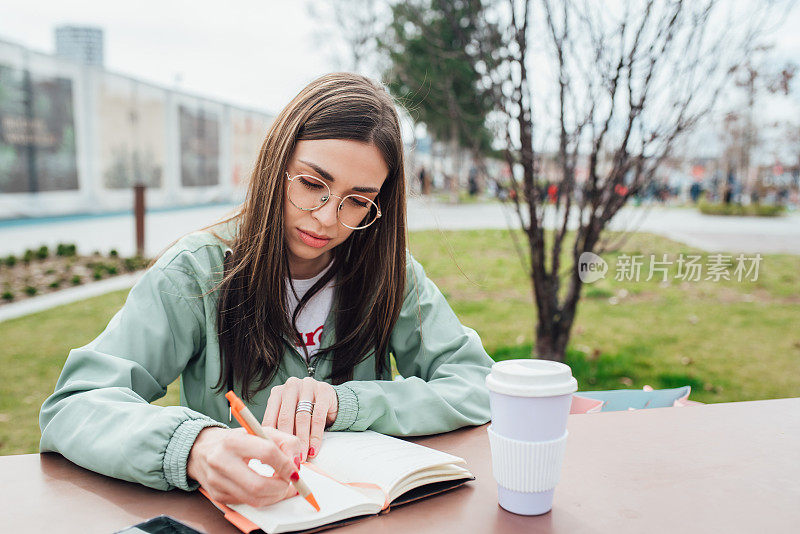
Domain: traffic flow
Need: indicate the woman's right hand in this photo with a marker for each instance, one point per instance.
(218, 461)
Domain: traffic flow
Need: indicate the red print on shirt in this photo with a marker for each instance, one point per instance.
(310, 337)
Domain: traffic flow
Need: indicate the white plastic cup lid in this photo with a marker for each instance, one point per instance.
(531, 378)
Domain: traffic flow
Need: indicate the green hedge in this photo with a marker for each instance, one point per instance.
(754, 210)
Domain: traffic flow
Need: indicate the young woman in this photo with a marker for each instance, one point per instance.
(295, 303)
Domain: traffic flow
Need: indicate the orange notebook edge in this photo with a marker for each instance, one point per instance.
(237, 519)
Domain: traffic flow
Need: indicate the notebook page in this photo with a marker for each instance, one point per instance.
(376, 458)
(335, 501)
(445, 472)
(453, 472)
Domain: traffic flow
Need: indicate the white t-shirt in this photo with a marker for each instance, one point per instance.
(312, 317)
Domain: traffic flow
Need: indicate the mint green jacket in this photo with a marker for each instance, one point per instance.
(100, 415)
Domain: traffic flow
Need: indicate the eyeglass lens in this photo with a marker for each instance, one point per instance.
(309, 193)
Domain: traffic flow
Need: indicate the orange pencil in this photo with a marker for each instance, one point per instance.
(251, 424)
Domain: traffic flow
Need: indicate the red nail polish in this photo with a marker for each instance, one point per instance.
(297, 461)
(312, 452)
(295, 476)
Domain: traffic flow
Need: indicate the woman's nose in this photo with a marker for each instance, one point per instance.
(326, 214)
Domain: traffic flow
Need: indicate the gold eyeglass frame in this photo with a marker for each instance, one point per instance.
(328, 196)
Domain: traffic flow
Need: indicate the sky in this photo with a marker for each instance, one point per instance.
(257, 54)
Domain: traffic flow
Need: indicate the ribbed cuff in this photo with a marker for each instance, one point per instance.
(348, 408)
(177, 453)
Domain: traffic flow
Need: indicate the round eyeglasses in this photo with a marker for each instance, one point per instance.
(309, 193)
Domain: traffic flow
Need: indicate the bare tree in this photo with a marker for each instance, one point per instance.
(625, 86)
(757, 78)
(358, 24)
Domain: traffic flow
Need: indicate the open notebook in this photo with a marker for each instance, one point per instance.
(355, 474)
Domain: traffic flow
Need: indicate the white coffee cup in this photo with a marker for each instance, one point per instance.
(530, 401)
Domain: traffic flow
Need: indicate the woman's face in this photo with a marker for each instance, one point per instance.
(347, 167)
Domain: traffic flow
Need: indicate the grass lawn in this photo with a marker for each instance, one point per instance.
(729, 340)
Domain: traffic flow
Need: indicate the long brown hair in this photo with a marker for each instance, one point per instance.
(253, 325)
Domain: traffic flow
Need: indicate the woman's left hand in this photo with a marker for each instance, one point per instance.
(281, 412)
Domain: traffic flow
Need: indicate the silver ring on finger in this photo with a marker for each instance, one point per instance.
(305, 406)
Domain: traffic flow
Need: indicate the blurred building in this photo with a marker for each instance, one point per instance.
(83, 44)
(75, 138)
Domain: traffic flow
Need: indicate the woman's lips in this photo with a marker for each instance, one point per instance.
(312, 240)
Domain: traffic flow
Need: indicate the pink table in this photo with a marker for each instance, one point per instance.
(732, 467)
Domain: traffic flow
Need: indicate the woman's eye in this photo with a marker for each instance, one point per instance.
(357, 203)
(310, 184)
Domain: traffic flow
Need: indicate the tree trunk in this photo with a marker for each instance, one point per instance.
(553, 331)
(550, 345)
(455, 159)
(553, 328)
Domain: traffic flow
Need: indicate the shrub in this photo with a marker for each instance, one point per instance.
(113, 253)
(756, 210)
(65, 249)
(75, 280)
(10, 260)
(50, 271)
(43, 252)
(55, 285)
(30, 291)
(134, 263)
(28, 256)
(768, 211)
(99, 267)
(8, 296)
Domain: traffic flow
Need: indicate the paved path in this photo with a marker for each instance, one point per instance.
(104, 232)
(767, 235)
(712, 233)
(66, 296)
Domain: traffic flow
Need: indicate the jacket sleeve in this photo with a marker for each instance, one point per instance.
(100, 416)
(443, 365)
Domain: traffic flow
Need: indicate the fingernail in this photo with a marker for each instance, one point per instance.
(297, 461)
(295, 476)
(311, 451)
